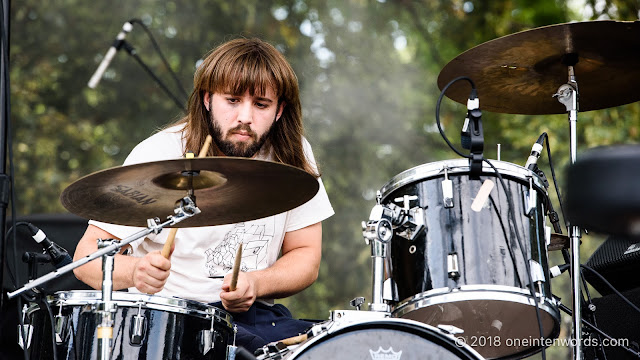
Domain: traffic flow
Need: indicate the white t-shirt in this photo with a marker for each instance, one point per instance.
(204, 252)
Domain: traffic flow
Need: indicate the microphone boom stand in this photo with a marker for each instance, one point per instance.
(184, 209)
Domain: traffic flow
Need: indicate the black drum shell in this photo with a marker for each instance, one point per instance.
(173, 333)
(493, 281)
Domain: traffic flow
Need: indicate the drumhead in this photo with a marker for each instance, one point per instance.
(384, 339)
(155, 302)
(488, 312)
(458, 167)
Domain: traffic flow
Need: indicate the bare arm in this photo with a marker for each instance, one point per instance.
(148, 274)
(294, 271)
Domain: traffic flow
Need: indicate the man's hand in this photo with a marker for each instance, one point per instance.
(241, 299)
(151, 273)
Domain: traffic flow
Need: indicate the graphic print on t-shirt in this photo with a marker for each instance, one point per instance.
(255, 237)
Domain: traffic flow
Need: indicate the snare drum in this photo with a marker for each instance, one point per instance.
(144, 327)
(388, 339)
(467, 268)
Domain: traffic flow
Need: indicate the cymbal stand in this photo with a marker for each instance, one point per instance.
(567, 95)
(185, 208)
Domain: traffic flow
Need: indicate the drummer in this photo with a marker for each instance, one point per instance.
(246, 96)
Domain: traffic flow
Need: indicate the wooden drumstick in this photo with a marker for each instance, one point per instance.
(205, 147)
(294, 340)
(166, 249)
(236, 269)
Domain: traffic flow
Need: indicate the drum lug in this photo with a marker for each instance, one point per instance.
(24, 332)
(531, 199)
(138, 327)
(452, 266)
(208, 338)
(447, 190)
(232, 349)
(61, 327)
(537, 276)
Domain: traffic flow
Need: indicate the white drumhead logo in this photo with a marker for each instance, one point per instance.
(388, 354)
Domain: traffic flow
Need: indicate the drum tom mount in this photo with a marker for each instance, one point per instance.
(384, 221)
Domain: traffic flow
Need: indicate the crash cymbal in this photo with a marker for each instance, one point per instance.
(519, 73)
(227, 190)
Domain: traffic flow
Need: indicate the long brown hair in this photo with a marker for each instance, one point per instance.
(249, 64)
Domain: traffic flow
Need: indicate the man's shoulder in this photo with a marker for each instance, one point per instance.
(163, 145)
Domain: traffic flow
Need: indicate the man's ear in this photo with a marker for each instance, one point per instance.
(206, 99)
(280, 110)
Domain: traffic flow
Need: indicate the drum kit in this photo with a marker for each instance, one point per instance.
(459, 266)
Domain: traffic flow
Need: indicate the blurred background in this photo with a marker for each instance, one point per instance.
(367, 71)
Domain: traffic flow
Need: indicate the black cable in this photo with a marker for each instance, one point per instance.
(511, 211)
(444, 89)
(506, 240)
(597, 274)
(511, 214)
(164, 60)
(5, 45)
(131, 51)
(555, 182)
(53, 328)
(14, 279)
(595, 328)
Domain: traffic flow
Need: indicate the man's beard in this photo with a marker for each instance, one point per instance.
(239, 149)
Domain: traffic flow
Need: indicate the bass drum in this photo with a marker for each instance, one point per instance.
(477, 259)
(145, 327)
(388, 339)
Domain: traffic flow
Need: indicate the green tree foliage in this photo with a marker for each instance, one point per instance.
(368, 73)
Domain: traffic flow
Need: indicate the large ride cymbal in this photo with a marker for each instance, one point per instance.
(227, 190)
(519, 73)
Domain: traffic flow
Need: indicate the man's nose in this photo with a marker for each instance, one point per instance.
(245, 113)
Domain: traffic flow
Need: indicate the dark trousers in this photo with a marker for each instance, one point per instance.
(263, 324)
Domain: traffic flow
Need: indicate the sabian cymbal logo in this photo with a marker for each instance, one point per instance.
(139, 197)
(388, 354)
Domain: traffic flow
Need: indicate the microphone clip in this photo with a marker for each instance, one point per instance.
(476, 134)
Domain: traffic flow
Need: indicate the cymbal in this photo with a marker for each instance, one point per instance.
(519, 73)
(227, 190)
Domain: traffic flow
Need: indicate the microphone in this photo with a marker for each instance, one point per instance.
(117, 44)
(59, 256)
(536, 149)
